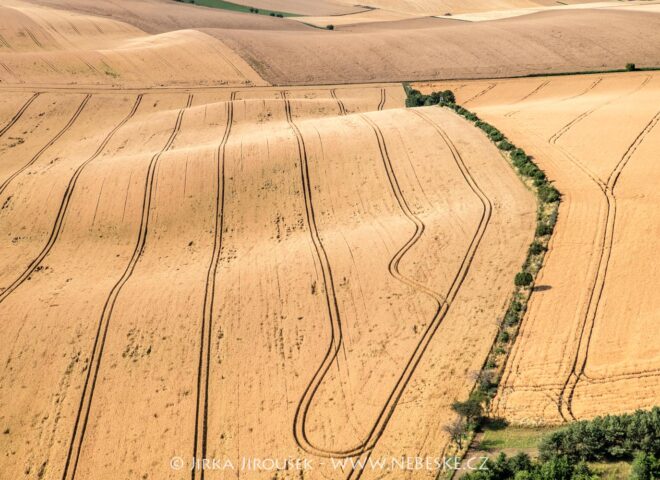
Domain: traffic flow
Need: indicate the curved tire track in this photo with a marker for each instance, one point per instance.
(596, 293)
(84, 408)
(387, 411)
(443, 307)
(336, 337)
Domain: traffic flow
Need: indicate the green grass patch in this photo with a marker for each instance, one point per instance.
(513, 438)
(235, 7)
(611, 470)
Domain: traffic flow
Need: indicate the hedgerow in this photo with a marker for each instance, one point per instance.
(548, 199)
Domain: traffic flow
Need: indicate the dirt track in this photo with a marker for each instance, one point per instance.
(586, 345)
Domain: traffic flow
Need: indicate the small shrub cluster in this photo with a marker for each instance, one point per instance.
(522, 467)
(613, 437)
(417, 99)
(564, 453)
(645, 466)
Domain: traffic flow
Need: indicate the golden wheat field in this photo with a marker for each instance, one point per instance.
(224, 236)
(588, 345)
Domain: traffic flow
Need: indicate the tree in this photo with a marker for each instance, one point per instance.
(330, 27)
(523, 279)
(471, 410)
(631, 67)
(457, 431)
(645, 467)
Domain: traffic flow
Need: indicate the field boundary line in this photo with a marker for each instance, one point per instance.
(548, 201)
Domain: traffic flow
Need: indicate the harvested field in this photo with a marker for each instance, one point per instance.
(223, 237)
(586, 345)
(157, 254)
(440, 7)
(546, 42)
(42, 46)
(288, 52)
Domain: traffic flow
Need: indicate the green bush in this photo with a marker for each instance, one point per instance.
(521, 467)
(536, 248)
(523, 279)
(613, 437)
(504, 337)
(548, 193)
(472, 409)
(496, 136)
(415, 98)
(645, 466)
(544, 229)
(631, 67)
(505, 145)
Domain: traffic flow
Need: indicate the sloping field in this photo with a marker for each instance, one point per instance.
(47, 46)
(379, 48)
(440, 7)
(439, 48)
(588, 344)
(256, 272)
(486, 15)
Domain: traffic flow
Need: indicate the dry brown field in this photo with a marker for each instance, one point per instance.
(588, 344)
(287, 52)
(309, 272)
(200, 257)
(197, 266)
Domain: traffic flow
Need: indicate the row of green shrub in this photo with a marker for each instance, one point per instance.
(548, 205)
(564, 453)
(472, 411)
(522, 467)
(613, 437)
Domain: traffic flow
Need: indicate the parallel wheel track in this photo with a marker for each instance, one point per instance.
(64, 205)
(84, 408)
(50, 143)
(204, 368)
(365, 447)
(595, 296)
(19, 114)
